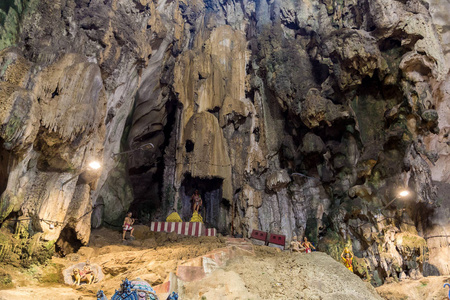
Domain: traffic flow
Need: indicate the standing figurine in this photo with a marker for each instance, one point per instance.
(307, 245)
(197, 200)
(127, 226)
(347, 257)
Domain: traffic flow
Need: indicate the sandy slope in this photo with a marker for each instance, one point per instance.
(272, 275)
(269, 274)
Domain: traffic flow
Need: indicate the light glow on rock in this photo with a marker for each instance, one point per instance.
(95, 165)
(403, 193)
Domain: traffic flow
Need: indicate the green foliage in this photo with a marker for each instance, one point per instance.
(24, 252)
(52, 274)
(5, 5)
(5, 280)
(12, 13)
(6, 206)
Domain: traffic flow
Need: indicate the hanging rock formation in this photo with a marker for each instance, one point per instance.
(295, 117)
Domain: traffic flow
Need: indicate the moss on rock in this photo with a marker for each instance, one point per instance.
(361, 268)
(5, 280)
(333, 244)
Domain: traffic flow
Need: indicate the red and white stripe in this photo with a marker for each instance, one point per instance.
(184, 228)
(210, 232)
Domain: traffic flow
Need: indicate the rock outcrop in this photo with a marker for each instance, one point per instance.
(294, 117)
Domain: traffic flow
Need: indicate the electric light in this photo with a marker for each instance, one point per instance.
(94, 165)
(403, 193)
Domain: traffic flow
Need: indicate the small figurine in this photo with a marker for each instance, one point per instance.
(296, 246)
(307, 245)
(101, 295)
(133, 290)
(85, 275)
(197, 201)
(173, 296)
(127, 226)
(347, 257)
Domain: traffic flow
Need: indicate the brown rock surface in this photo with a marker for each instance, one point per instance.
(285, 114)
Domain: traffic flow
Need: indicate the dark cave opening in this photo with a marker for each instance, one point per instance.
(214, 207)
(147, 179)
(67, 242)
(320, 71)
(5, 159)
(189, 146)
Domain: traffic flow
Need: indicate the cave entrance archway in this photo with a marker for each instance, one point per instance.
(213, 209)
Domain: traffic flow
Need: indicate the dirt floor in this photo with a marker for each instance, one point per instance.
(269, 274)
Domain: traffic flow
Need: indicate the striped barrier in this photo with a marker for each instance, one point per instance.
(210, 232)
(184, 228)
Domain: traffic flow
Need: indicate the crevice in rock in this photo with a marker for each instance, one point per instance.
(67, 242)
(148, 178)
(319, 71)
(189, 146)
(5, 159)
(55, 93)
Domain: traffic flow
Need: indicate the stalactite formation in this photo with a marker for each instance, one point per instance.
(295, 117)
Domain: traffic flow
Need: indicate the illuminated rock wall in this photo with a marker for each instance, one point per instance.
(295, 117)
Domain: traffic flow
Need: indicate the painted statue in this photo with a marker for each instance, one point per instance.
(134, 290)
(307, 245)
(296, 246)
(347, 257)
(196, 200)
(83, 275)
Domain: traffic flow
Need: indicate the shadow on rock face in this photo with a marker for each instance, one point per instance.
(430, 270)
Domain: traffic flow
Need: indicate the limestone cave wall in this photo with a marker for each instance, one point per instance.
(296, 117)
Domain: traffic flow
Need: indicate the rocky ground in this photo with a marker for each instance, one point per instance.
(429, 288)
(269, 274)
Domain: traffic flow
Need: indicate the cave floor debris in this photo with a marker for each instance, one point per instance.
(269, 274)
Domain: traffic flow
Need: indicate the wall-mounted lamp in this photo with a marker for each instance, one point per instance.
(92, 166)
(401, 194)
